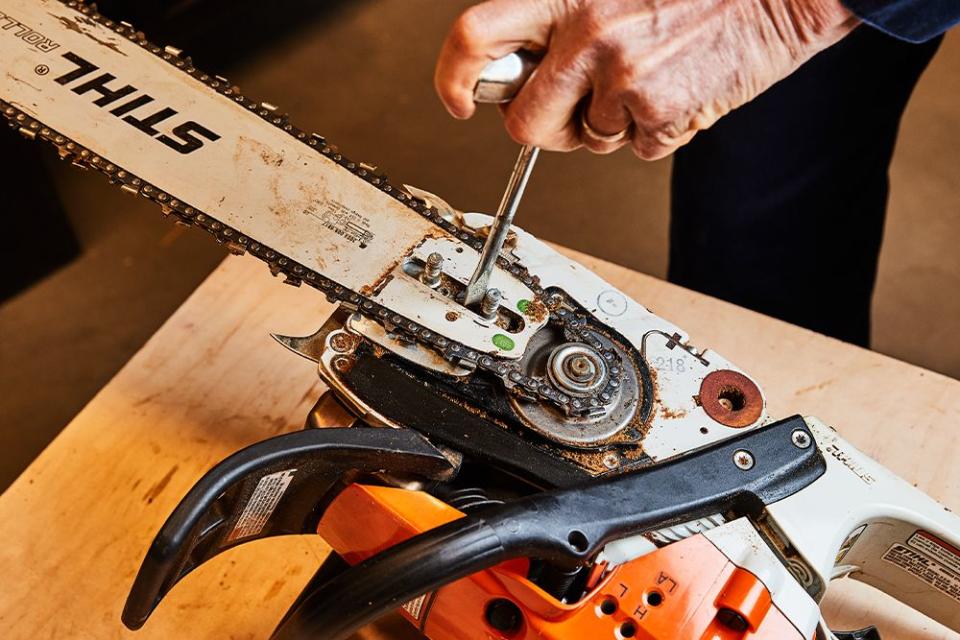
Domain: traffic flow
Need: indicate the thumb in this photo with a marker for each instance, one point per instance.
(481, 34)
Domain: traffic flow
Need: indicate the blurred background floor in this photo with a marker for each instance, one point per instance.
(360, 72)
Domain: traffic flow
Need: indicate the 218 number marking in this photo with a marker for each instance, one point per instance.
(670, 364)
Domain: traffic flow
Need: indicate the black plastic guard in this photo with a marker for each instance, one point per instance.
(276, 487)
(567, 526)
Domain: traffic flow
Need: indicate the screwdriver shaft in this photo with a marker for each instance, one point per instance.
(500, 227)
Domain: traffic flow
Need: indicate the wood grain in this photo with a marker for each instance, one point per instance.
(75, 525)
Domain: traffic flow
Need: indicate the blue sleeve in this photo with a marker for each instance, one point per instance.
(911, 20)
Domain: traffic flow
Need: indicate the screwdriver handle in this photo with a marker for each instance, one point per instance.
(503, 78)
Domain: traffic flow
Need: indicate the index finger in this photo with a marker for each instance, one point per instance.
(481, 34)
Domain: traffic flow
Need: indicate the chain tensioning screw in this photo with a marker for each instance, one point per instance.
(432, 270)
(490, 304)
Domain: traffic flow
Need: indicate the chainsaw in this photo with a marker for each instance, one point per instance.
(509, 446)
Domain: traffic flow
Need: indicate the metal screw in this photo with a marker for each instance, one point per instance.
(744, 460)
(801, 438)
(342, 364)
(490, 304)
(611, 461)
(341, 343)
(432, 270)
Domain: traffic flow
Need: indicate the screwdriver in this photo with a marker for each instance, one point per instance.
(499, 82)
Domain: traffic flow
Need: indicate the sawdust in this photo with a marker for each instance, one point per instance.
(672, 414)
(536, 311)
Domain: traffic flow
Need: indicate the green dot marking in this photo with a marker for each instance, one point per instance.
(503, 342)
(522, 305)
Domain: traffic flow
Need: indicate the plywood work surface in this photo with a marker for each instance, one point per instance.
(75, 525)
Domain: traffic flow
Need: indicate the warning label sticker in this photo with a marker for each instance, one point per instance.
(415, 608)
(937, 549)
(924, 568)
(261, 504)
(345, 222)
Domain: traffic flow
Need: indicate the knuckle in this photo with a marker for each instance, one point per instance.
(624, 93)
(622, 64)
(593, 21)
(653, 112)
(603, 35)
(593, 34)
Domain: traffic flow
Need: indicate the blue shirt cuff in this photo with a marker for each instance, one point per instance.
(910, 20)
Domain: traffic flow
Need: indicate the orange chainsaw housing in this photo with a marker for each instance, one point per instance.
(685, 591)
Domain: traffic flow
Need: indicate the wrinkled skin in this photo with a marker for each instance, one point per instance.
(665, 69)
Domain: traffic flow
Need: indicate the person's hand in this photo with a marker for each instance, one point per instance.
(661, 70)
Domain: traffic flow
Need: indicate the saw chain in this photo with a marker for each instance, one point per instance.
(562, 311)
